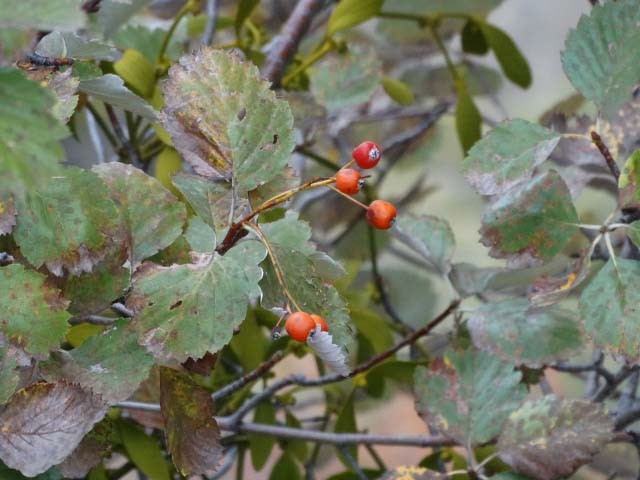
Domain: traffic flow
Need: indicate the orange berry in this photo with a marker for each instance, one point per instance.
(348, 181)
(366, 155)
(298, 326)
(321, 321)
(381, 214)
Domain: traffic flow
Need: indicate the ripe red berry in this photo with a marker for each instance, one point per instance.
(321, 321)
(366, 155)
(381, 214)
(348, 181)
(298, 326)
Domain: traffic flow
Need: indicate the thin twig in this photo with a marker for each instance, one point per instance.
(210, 25)
(353, 464)
(125, 142)
(286, 43)
(230, 457)
(592, 367)
(604, 151)
(93, 320)
(120, 309)
(619, 377)
(249, 377)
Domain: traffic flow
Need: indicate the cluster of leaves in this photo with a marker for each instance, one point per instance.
(129, 279)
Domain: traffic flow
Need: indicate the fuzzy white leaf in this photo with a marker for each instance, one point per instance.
(332, 354)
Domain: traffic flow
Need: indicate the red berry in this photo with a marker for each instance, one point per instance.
(298, 326)
(366, 155)
(321, 321)
(348, 181)
(381, 214)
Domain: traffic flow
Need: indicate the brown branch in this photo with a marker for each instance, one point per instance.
(604, 151)
(287, 42)
(132, 153)
(210, 25)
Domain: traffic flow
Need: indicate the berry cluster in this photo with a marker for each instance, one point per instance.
(380, 214)
(299, 324)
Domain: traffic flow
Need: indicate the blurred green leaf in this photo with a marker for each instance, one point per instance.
(286, 468)
(251, 333)
(10, 357)
(110, 89)
(629, 182)
(601, 56)
(245, 8)
(144, 451)
(137, 72)
(412, 473)
(200, 236)
(70, 45)
(349, 13)
(398, 91)
(114, 14)
(511, 60)
(468, 395)
(64, 15)
(346, 423)
(260, 446)
(468, 121)
(549, 438)
(373, 327)
(473, 40)
(297, 448)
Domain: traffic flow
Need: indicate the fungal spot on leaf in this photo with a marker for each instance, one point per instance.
(175, 305)
(275, 138)
(241, 114)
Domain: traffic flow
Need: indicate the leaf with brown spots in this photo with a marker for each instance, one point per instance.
(468, 395)
(42, 424)
(7, 213)
(225, 121)
(32, 313)
(193, 436)
(530, 223)
(548, 438)
(153, 216)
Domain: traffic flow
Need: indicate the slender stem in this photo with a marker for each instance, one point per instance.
(352, 462)
(93, 320)
(445, 53)
(240, 464)
(319, 159)
(604, 151)
(210, 25)
(131, 153)
(103, 125)
(249, 377)
(186, 8)
(312, 58)
(120, 309)
(230, 457)
(349, 197)
(376, 458)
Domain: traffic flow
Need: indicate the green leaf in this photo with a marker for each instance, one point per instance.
(152, 216)
(469, 280)
(251, 333)
(412, 473)
(25, 112)
(142, 39)
(71, 223)
(285, 180)
(601, 58)
(473, 40)
(70, 45)
(516, 332)
(200, 236)
(11, 358)
(349, 13)
(225, 121)
(245, 7)
(110, 89)
(302, 269)
(610, 307)
(429, 236)
(507, 156)
(65, 15)
(468, 395)
(193, 436)
(43, 423)
(511, 60)
(548, 438)
(468, 121)
(297, 448)
(343, 81)
(137, 72)
(65, 87)
(476, 8)
(532, 222)
(346, 423)
(33, 312)
(261, 445)
(373, 327)
(211, 200)
(629, 182)
(143, 450)
(286, 468)
(113, 14)
(633, 232)
(188, 310)
(398, 91)
(8, 210)
(110, 363)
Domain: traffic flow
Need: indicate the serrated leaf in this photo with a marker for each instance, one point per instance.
(412, 473)
(349, 13)
(601, 58)
(530, 223)
(143, 450)
(200, 236)
(342, 81)
(472, 38)
(44, 423)
(211, 199)
(511, 60)
(69, 45)
(301, 269)
(25, 112)
(152, 215)
(86, 455)
(548, 438)
(32, 313)
(507, 156)
(193, 436)
(468, 121)
(610, 307)
(629, 182)
(260, 446)
(398, 91)
(225, 121)
(110, 89)
(11, 360)
(113, 14)
(42, 15)
(521, 334)
(187, 310)
(430, 236)
(468, 395)
(110, 363)
(70, 224)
